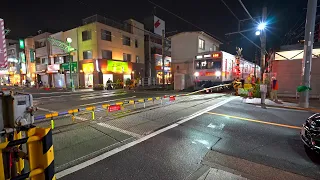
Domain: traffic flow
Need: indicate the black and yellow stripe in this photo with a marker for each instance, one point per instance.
(48, 157)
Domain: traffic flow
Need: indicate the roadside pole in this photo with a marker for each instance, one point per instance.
(263, 40)
(163, 56)
(308, 46)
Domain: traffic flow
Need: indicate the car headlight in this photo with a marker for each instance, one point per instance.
(196, 74)
(218, 73)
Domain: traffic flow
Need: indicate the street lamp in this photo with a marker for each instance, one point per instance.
(69, 41)
(262, 26)
(258, 33)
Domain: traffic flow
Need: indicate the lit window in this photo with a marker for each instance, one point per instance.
(201, 44)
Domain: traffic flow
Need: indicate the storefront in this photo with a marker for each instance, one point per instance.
(88, 70)
(4, 77)
(41, 71)
(57, 78)
(167, 69)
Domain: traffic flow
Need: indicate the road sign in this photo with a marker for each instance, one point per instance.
(113, 108)
(3, 48)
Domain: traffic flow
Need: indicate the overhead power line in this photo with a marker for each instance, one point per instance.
(181, 18)
(244, 7)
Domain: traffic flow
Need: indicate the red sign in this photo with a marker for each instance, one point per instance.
(3, 48)
(172, 98)
(113, 108)
(157, 24)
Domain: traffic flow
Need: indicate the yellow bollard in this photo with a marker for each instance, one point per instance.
(73, 117)
(93, 115)
(52, 123)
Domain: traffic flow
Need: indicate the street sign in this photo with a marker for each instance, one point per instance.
(113, 108)
(65, 66)
(3, 48)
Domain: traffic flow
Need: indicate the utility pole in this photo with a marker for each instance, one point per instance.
(263, 40)
(255, 63)
(308, 46)
(163, 56)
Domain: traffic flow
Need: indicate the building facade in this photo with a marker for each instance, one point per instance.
(185, 47)
(110, 50)
(15, 72)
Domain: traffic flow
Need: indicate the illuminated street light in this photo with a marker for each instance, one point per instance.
(258, 33)
(262, 26)
(69, 40)
(196, 74)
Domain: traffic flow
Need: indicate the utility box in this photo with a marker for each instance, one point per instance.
(15, 110)
(179, 81)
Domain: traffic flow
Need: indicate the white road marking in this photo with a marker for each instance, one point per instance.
(126, 146)
(47, 110)
(100, 102)
(82, 95)
(120, 130)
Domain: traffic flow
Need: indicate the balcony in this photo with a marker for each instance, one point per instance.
(97, 18)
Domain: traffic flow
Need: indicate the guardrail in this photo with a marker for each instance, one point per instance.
(120, 106)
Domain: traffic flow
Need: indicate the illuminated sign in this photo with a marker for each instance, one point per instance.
(215, 55)
(207, 56)
(53, 68)
(13, 60)
(199, 57)
(23, 69)
(117, 66)
(66, 66)
(210, 74)
(88, 68)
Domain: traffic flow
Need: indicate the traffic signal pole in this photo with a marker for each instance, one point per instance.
(308, 46)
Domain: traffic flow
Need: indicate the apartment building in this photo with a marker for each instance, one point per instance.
(110, 50)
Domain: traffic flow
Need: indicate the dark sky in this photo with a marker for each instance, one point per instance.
(25, 18)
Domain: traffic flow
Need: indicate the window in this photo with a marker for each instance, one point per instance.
(105, 35)
(126, 41)
(126, 57)
(136, 43)
(137, 59)
(106, 54)
(201, 44)
(87, 55)
(44, 61)
(208, 64)
(86, 35)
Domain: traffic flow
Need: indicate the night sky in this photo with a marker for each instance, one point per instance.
(25, 18)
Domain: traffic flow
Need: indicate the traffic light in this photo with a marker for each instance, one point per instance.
(21, 43)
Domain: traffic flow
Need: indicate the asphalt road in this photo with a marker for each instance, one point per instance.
(265, 136)
(63, 101)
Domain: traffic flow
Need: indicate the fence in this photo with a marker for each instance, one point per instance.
(113, 110)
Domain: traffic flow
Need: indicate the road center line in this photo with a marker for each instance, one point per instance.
(256, 121)
(126, 146)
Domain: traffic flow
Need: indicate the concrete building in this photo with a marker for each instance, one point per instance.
(15, 72)
(287, 68)
(153, 52)
(110, 50)
(185, 47)
(29, 50)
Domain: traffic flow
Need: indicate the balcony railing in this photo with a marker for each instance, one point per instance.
(97, 18)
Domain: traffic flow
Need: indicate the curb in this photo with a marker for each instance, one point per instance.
(289, 107)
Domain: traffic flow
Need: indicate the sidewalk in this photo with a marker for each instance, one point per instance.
(222, 166)
(288, 103)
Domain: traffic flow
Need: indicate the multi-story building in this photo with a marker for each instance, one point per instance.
(153, 51)
(110, 50)
(16, 63)
(29, 50)
(103, 50)
(185, 47)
